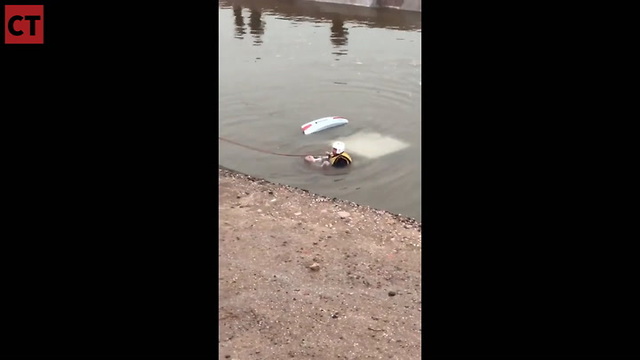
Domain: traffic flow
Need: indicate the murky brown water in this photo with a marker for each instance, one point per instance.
(284, 63)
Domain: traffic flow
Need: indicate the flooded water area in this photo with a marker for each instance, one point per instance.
(285, 63)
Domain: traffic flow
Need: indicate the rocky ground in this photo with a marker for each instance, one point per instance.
(303, 276)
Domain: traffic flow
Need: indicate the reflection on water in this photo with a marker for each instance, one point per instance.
(339, 35)
(237, 13)
(256, 24)
(341, 18)
(322, 12)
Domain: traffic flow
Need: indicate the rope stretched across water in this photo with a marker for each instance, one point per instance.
(260, 150)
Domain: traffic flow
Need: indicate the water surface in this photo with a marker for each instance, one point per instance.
(284, 63)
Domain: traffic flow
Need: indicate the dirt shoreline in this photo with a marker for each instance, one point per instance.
(305, 276)
(226, 172)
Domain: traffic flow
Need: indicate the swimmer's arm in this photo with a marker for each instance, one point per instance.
(322, 161)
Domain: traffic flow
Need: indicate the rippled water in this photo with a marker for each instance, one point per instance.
(284, 63)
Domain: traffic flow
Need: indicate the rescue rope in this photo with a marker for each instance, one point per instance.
(260, 150)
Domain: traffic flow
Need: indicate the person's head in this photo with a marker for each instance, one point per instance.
(338, 147)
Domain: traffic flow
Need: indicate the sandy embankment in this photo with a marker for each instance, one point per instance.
(304, 276)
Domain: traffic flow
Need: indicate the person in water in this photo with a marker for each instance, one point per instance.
(336, 158)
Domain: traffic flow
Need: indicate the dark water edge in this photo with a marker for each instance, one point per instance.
(224, 171)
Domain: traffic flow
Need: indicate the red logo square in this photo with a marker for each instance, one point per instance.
(24, 24)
